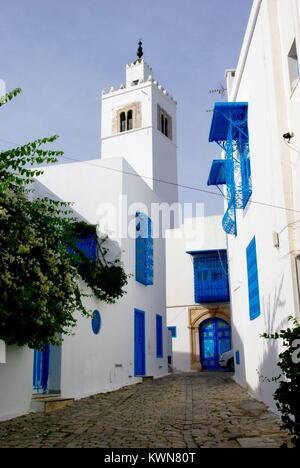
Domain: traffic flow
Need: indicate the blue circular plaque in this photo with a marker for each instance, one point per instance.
(96, 322)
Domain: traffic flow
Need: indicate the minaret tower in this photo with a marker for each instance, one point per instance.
(139, 124)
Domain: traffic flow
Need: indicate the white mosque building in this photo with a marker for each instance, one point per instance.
(126, 341)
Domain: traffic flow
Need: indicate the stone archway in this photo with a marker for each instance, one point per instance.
(197, 315)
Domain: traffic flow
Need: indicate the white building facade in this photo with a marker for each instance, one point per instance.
(126, 341)
(262, 171)
(198, 309)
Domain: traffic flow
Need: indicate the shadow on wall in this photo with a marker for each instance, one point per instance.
(273, 309)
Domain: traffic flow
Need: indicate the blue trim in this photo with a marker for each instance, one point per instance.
(211, 277)
(217, 175)
(253, 283)
(144, 250)
(226, 113)
(159, 336)
(229, 129)
(200, 252)
(173, 331)
(139, 343)
(237, 358)
(41, 360)
(96, 322)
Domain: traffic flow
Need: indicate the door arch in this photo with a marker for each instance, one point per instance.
(215, 339)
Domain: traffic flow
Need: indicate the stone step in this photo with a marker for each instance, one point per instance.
(48, 403)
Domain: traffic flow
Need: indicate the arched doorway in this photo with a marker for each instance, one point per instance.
(215, 339)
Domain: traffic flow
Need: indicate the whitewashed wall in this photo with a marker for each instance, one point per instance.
(261, 80)
(95, 363)
(16, 382)
(180, 278)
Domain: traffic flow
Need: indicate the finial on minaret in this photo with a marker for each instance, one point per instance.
(140, 52)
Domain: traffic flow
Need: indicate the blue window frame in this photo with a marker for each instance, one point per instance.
(144, 250)
(253, 284)
(211, 276)
(173, 331)
(159, 336)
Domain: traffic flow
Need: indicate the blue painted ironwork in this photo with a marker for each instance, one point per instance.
(144, 250)
(173, 331)
(253, 284)
(211, 276)
(215, 339)
(237, 358)
(139, 343)
(159, 336)
(229, 130)
(217, 175)
(96, 322)
(41, 369)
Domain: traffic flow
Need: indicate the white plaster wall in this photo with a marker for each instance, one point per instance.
(180, 278)
(178, 317)
(95, 363)
(260, 81)
(207, 234)
(16, 382)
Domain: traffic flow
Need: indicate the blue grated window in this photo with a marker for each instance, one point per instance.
(211, 277)
(253, 285)
(144, 250)
(88, 246)
(159, 337)
(173, 331)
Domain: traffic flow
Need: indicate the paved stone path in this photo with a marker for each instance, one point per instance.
(180, 411)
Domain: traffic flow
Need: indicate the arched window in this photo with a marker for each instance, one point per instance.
(122, 122)
(129, 120)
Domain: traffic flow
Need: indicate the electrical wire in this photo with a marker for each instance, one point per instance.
(162, 181)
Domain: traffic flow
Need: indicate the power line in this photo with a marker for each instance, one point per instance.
(162, 181)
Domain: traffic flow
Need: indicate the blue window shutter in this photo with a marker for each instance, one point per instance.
(159, 337)
(237, 358)
(173, 331)
(253, 285)
(211, 277)
(144, 250)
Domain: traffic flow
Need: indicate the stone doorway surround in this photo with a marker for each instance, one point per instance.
(197, 315)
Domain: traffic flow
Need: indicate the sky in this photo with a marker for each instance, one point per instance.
(62, 53)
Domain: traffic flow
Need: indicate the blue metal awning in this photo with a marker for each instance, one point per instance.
(217, 175)
(224, 112)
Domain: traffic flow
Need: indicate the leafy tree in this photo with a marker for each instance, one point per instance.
(287, 395)
(41, 260)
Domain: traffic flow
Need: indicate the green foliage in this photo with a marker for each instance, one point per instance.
(40, 263)
(287, 395)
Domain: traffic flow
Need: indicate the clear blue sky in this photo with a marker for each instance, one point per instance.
(64, 52)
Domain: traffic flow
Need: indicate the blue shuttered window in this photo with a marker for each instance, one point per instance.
(159, 337)
(144, 250)
(253, 285)
(173, 331)
(210, 277)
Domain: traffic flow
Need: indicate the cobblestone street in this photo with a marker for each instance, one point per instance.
(180, 411)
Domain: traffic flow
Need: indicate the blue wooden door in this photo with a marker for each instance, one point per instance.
(215, 339)
(139, 343)
(41, 369)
